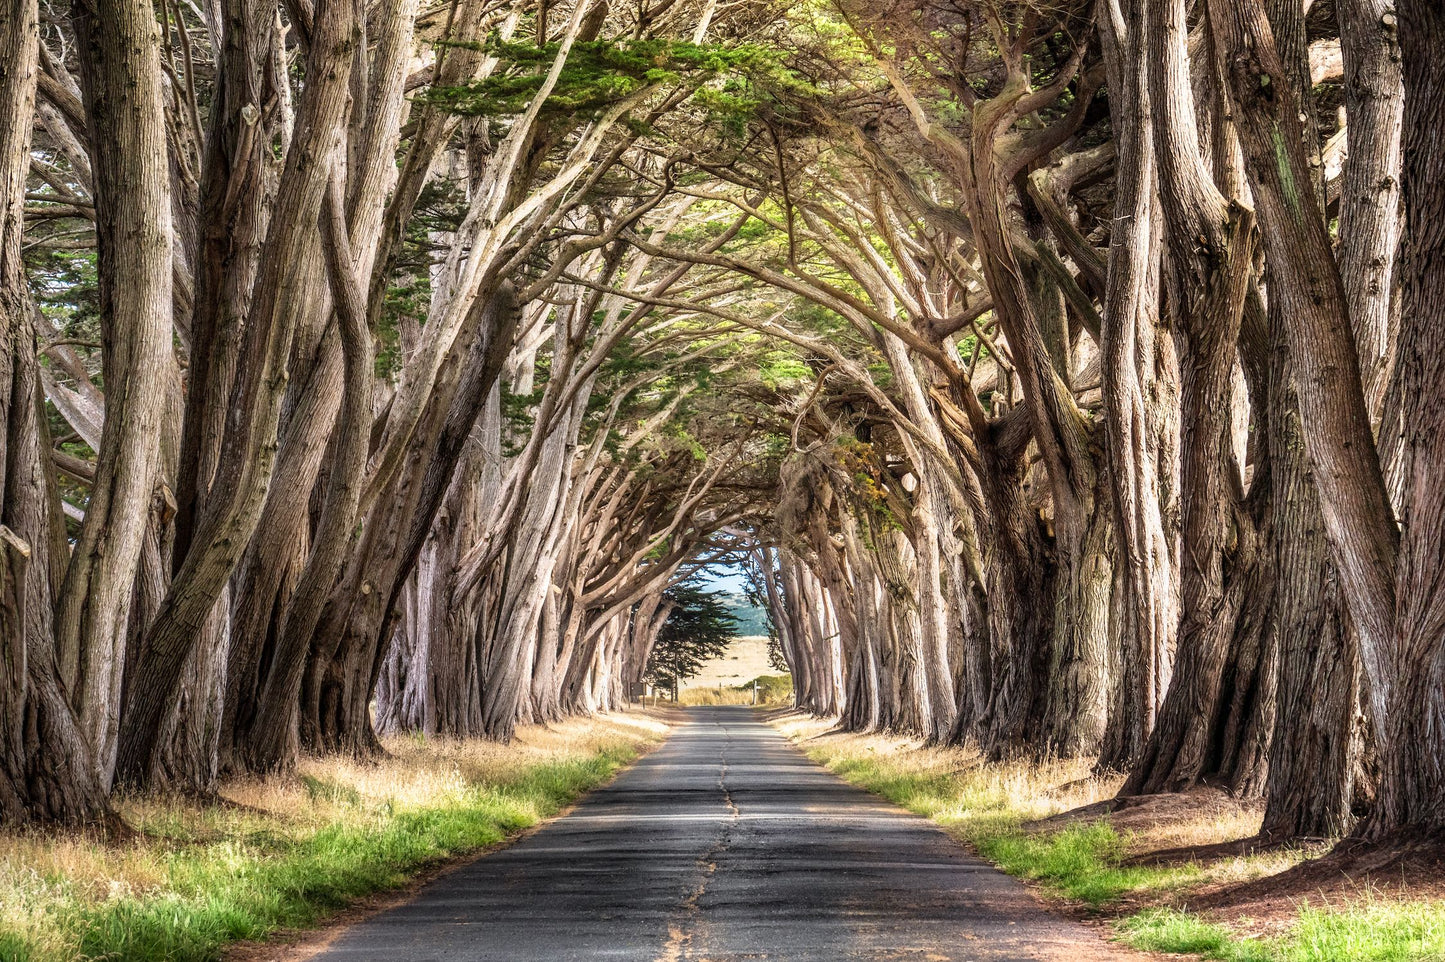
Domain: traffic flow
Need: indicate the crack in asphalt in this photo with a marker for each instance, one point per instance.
(725, 844)
(681, 929)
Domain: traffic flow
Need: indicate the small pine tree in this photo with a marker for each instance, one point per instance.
(697, 630)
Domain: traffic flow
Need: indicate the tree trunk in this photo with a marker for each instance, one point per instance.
(1369, 230)
(1307, 289)
(1412, 777)
(1312, 761)
(1020, 572)
(1313, 749)
(277, 744)
(247, 457)
(1080, 666)
(239, 174)
(119, 43)
(352, 641)
(268, 573)
(1198, 731)
(46, 771)
(1139, 384)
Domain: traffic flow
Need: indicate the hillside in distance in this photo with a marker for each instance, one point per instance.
(752, 621)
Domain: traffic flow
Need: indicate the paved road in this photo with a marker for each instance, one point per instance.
(724, 844)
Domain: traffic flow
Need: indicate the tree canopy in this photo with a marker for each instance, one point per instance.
(1067, 376)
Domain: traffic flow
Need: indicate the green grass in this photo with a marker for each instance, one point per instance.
(987, 805)
(1371, 932)
(1167, 930)
(1083, 862)
(251, 883)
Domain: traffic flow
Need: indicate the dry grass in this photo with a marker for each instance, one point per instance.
(1027, 790)
(1044, 822)
(958, 788)
(774, 690)
(714, 696)
(64, 896)
(425, 771)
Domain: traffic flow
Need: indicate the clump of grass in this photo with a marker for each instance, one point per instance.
(1371, 931)
(1082, 862)
(198, 877)
(1169, 930)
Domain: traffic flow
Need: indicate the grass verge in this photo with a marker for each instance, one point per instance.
(283, 854)
(1091, 863)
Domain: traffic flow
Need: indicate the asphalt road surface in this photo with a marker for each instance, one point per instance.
(726, 843)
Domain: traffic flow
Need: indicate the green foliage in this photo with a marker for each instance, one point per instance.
(861, 461)
(407, 298)
(439, 211)
(518, 413)
(1371, 932)
(641, 378)
(817, 321)
(697, 630)
(65, 285)
(15, 948)
(772, 689)
(782, 369)
(600, 73)
(1169, 930)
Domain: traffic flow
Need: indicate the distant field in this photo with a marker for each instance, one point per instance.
(744, 660)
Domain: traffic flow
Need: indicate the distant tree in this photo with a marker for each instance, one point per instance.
(697, 629)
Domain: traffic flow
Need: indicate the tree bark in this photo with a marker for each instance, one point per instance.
(119, 45)
(1411, 796)
(239, 174)
(351, 640)
(1314, 746)
(248, 453)
(275, 742)
(1312, 757)
(1139, 405)
(46, 770)
(1307, 288)
(1210, 246)
(1369, 230)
